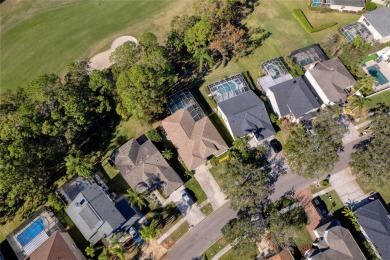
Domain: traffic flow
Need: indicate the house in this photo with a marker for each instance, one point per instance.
(331, 80)
(374, 221)
(58, 246)
(282, 255)
(144, 168)
(340, 5)
(304, 57)
(94, 212)
(34, 232)
(275, 72)
(378, 22)
(196, 141)
(334, 242)
(293, 99)
(245, 115)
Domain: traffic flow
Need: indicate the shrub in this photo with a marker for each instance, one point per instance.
(300, 16)
(370, 6)
(154, 136)
(324, 183)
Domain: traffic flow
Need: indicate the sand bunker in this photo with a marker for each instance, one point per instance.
(102, 60)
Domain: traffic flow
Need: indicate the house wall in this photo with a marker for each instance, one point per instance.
(375, 33)
(317, 87)
(271, 98)
(69, 241)
(226, 122)
(341, 8)
(369, 241)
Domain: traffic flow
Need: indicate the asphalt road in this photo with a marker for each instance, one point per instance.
(201, 236)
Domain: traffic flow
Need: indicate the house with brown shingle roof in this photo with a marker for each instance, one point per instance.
(58, 246)
(331, 80)
(195, 141)
(144, 168)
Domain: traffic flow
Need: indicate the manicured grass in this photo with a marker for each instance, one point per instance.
(215, 248)
(303, 237)
(333, 204)
(300, 16)
(207, 209)
(231, 255)
(314, 189)
(177, 234)
(370, 57)
(193, 186)
(218, 172)
(166, 217)
(47, 39)
(383, 190)
(383, 97)
(11, 225)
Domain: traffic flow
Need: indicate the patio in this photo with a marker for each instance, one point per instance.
(380, 69)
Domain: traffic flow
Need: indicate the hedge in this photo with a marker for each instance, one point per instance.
(370, 6)
(300, 16)
(319, 9)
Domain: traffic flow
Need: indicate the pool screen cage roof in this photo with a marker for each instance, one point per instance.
(351, 31)
(308, 55)
(217, 89)
(275, 63)
(184, 99)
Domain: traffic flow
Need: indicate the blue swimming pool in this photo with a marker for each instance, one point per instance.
(226, 87)
(376, 73)
(31, 232)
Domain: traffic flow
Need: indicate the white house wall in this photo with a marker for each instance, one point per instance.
(346, 8)
(225, 121)
(317, 87)
(375, 33)
(274, 104)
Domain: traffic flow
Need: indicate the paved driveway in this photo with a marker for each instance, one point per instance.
(214, 193)
(191, 212)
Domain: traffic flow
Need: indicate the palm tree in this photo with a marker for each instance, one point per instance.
(358, 103)
(365, 85)
(115, 247)
(135, 199)
(104, 255)
(347, 212)
(167, 153)
(148, 232)
(202, 56)
(90, 250)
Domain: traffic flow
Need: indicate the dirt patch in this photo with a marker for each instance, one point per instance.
(305, 197)
(102, 60)
(150, 250)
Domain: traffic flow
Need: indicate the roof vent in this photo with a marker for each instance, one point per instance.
(294, 81)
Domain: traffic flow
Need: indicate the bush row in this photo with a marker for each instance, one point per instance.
(300, 16)
(319, 9)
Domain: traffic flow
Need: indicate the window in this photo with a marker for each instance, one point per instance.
(82, 201)
(367, 23)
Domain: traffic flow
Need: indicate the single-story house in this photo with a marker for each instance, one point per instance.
(58, 246)
(378, 22)
(340, 5)
(331, 80)
(144, 168)
(374, 221)
(334, 242)
(96, 214)
(245, 115)
(196, 141)
(293, 99)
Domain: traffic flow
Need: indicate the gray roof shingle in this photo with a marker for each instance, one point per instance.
(246, 113)
(380, 20)
(294, 96)
(355, 3)
(374, 218)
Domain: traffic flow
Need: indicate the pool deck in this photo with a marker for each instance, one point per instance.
(384, 68)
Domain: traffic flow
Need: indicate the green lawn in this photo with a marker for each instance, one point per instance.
(42, 37)
(231, 255)
(383, 97)
(332, 204)
(207, 209)
(314, 189)
(215, 248)
(194, 187)
(177, 234)
(303, 237)
(384, 190)
(218, 172)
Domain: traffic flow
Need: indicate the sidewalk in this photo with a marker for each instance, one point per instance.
(324, 191)
(222, 252)
(171, 230)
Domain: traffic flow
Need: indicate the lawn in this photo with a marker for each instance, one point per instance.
(332, 201)
(207, 209)
(215, 248)
(177, 234)
(231, 255)
(303, 237)
(193, 186)
(384, 190)
(41, 37)
(218, 172)
(383, 97)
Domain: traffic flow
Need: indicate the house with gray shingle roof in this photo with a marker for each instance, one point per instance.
(378, 22)
(144, 168)
(94, 212)
(331, 80)
(293, 99)
(244, 115)
(334, 242)
(374, 220)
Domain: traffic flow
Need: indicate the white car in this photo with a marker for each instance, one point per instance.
(184, 194)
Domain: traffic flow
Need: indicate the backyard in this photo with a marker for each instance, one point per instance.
(383, 97)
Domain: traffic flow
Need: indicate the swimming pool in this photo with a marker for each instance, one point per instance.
(273, 71)
(376, 73)
(226, 87)
(31, 232)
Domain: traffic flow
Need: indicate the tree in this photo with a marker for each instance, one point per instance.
(154, 136)
(359, 102)
(90, 250)
(76, 165)
(216, 12)
(240, 144)
(126, 55)
(370, 162)
(314, 155)
(365, 85)
(167, 153)
(331, 43)
(102, 83)
(148, 232)
(148, 41)
(135, 199)
(198, 36)
(203, 57)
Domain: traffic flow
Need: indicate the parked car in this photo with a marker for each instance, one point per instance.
(137, 237)
(320, 207)
(187, 198)
(276, 145)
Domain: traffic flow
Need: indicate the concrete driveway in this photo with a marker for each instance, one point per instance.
(209, 185)
(191, 213)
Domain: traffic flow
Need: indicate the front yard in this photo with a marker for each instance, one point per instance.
(197, 192)
(176, 235)
(332, 201)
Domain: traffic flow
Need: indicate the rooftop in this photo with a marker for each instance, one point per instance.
(184, 99)
(380, 20)
(308, 55)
